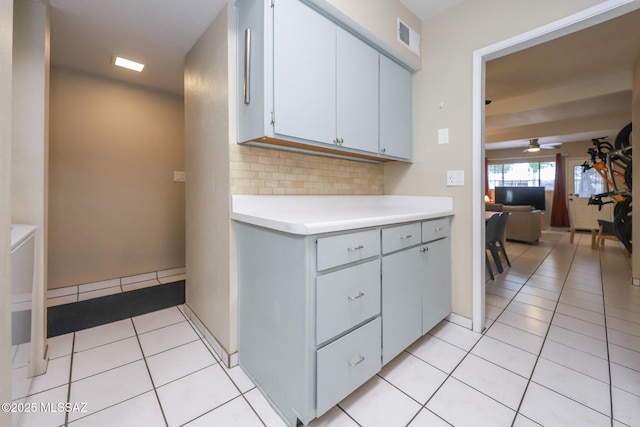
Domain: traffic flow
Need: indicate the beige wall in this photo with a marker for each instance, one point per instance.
(114, 209)
(378, 19)
(206, 91)
(6, 47)
(448, 43)
(261, 171)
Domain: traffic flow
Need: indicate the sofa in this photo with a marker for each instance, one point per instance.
(524, 223)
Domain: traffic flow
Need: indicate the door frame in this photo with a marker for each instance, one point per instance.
(597, 14)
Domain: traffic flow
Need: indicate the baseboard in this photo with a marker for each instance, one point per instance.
(465, 322)
(230, 360)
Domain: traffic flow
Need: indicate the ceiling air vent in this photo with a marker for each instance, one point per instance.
(408, 37)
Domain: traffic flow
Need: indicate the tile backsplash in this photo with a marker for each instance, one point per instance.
(264, 171)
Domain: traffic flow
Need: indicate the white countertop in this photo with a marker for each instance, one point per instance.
(323, 214)
(20, 233)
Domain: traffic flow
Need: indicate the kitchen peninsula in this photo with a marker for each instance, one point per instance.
(331, 288)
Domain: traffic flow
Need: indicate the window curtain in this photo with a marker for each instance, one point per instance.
(559, 212)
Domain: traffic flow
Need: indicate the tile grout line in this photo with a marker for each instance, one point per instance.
(144, 358)
(483, 333)
(529, 380)
(606, 334)
(606, 342)
(203, 340)
(517, 411)
(73, 345)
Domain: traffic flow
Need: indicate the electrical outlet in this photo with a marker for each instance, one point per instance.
(179, 176)
(455, 178)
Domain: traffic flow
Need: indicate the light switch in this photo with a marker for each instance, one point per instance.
(443, 136)
(179, 176)
(455, 178)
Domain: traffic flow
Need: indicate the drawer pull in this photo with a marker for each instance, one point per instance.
(360, 295)
(406, 236)
(424, 249)
(356, 248)
(354, 364)
(438, 229)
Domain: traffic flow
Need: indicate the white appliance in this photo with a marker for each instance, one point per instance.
(26, 312)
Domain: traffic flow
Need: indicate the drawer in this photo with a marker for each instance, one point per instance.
(345, 248)
(400, 237)
(435, 229)
(346, 364)
(345, 298)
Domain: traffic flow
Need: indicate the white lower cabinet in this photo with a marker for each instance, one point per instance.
(319, 315)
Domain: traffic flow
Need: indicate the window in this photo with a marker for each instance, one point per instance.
(587, 183)
(531, 174)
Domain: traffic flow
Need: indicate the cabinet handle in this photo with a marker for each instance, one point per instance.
(354, 364)
(356, 248)
(424, 249)
(406, 236)
(438, 229)
(383, 150)
(341, 141)
(247, 66)
(360, 295)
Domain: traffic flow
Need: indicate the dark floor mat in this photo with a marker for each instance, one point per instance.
(76, 316)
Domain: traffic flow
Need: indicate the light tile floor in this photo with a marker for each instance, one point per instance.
(561, 348)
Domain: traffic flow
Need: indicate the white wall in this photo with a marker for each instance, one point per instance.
(6, 47)
(210, 292)
(30, 149)
(449, 41)
(635, 113)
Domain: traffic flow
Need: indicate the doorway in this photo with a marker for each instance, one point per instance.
(595, 15)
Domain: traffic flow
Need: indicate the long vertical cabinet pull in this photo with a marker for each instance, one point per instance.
(247, 66)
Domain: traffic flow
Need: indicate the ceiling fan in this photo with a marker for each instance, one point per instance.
(534, 146)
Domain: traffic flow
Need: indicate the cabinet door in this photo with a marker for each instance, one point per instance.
(401, 301)
(396, 120)
(357, 93)
(436, 297)
(304, 72)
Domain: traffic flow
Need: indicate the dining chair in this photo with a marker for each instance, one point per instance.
(490, 238)
(499, 242)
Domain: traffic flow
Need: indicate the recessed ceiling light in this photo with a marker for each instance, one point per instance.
(127, 63)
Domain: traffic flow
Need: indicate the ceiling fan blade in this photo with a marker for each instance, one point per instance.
(553, 146)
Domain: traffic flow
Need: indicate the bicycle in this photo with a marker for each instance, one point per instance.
(611, 162)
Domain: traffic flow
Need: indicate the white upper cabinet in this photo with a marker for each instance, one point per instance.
(357, 93)
(304, 67)
(307, 83)
(396, 111)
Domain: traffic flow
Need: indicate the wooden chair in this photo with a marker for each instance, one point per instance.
(605, 232)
